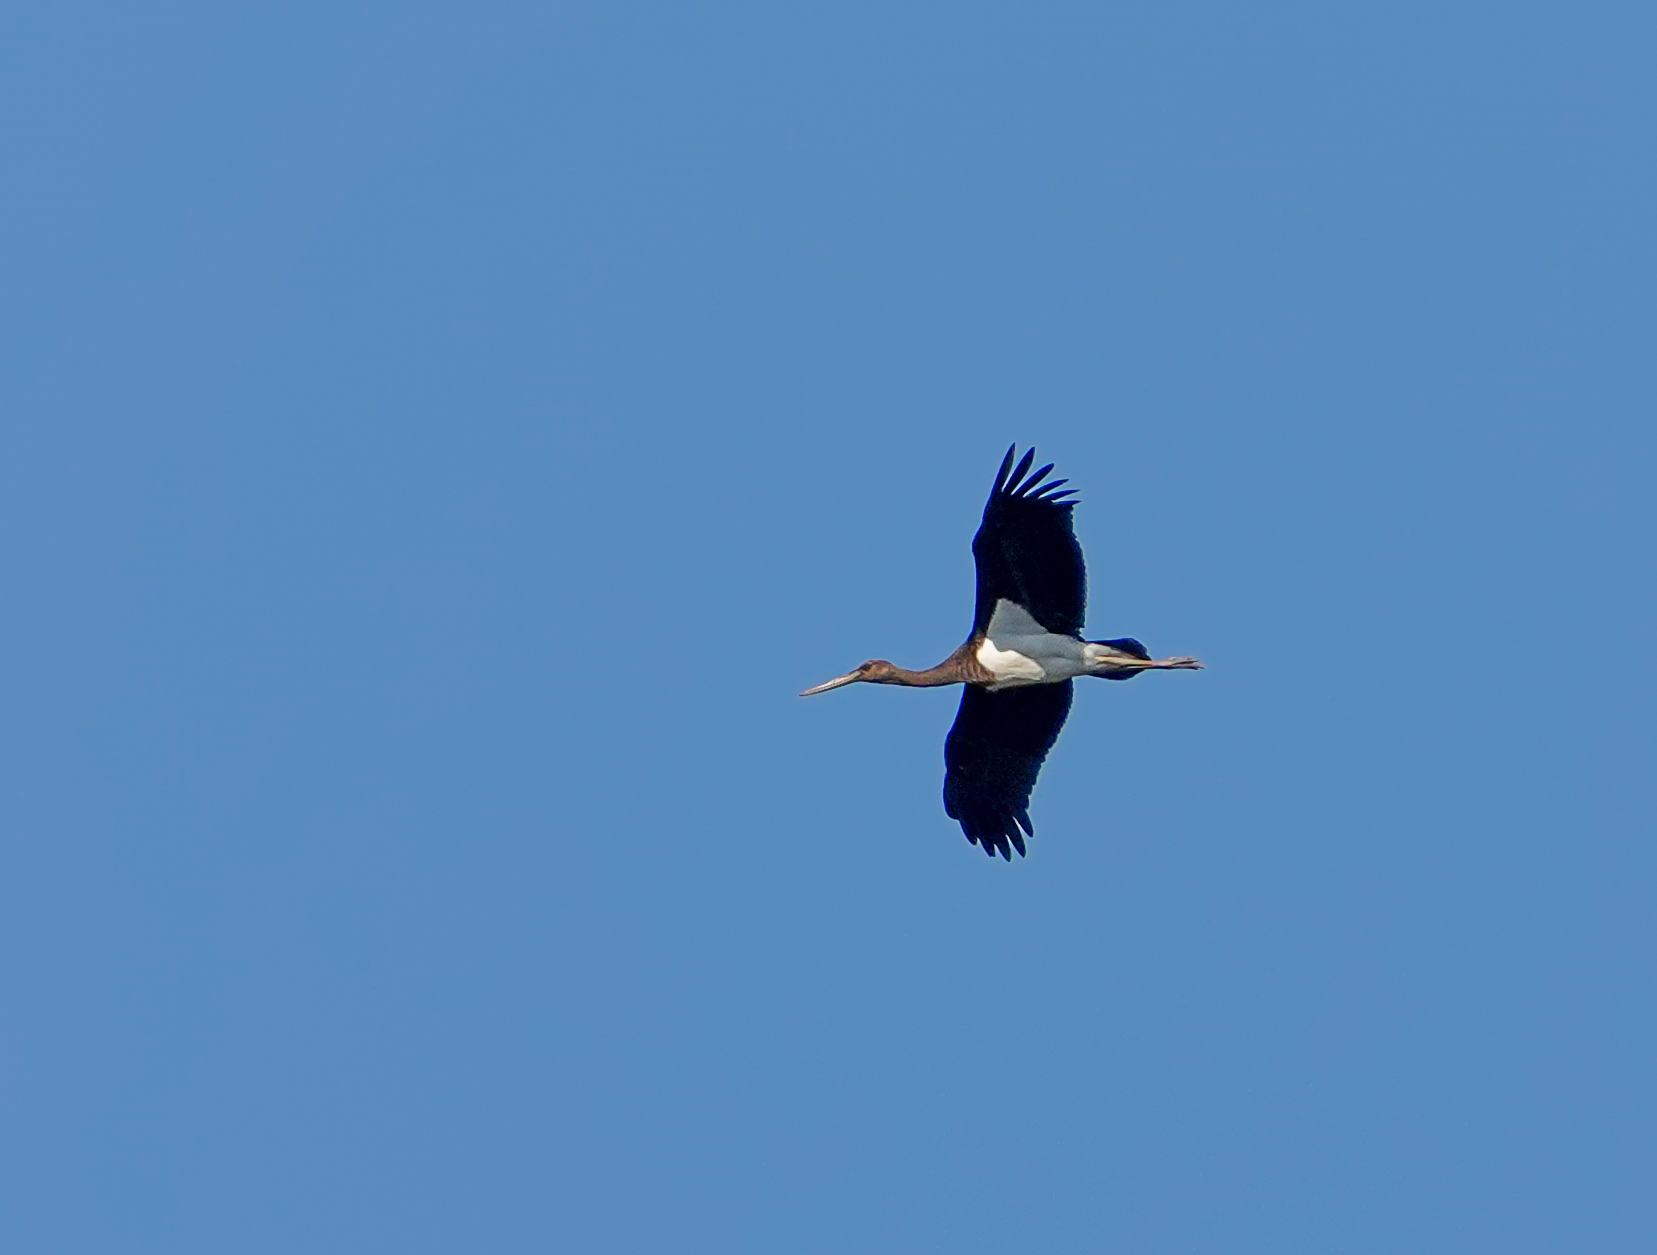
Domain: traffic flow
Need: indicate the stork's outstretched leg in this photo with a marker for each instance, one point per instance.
(1123, 659)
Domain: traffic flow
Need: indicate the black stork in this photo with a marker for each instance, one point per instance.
(1018, 663)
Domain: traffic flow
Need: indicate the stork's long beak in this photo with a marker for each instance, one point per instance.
(850, 677)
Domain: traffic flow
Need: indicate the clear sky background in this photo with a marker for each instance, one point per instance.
(440, 440)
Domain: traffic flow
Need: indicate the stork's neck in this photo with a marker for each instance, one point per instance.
(961, 667)
(933, 677)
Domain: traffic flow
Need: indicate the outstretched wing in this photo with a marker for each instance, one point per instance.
(992, 757)
(1026, 551)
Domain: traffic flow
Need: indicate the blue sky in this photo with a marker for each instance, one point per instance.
(440, 441)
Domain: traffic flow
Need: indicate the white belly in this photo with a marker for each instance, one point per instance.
(1017, 651)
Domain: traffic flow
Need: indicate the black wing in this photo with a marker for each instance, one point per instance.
(1026, 551)
(992, 757)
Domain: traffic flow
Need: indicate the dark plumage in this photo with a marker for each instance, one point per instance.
(992, 756)
(1026, 550)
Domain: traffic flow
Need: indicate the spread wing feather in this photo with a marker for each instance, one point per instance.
(1026, 550)
(992, 757)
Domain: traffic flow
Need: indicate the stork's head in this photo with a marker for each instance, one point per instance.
(875, 671)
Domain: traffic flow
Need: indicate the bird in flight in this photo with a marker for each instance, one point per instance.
(1025, 649)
